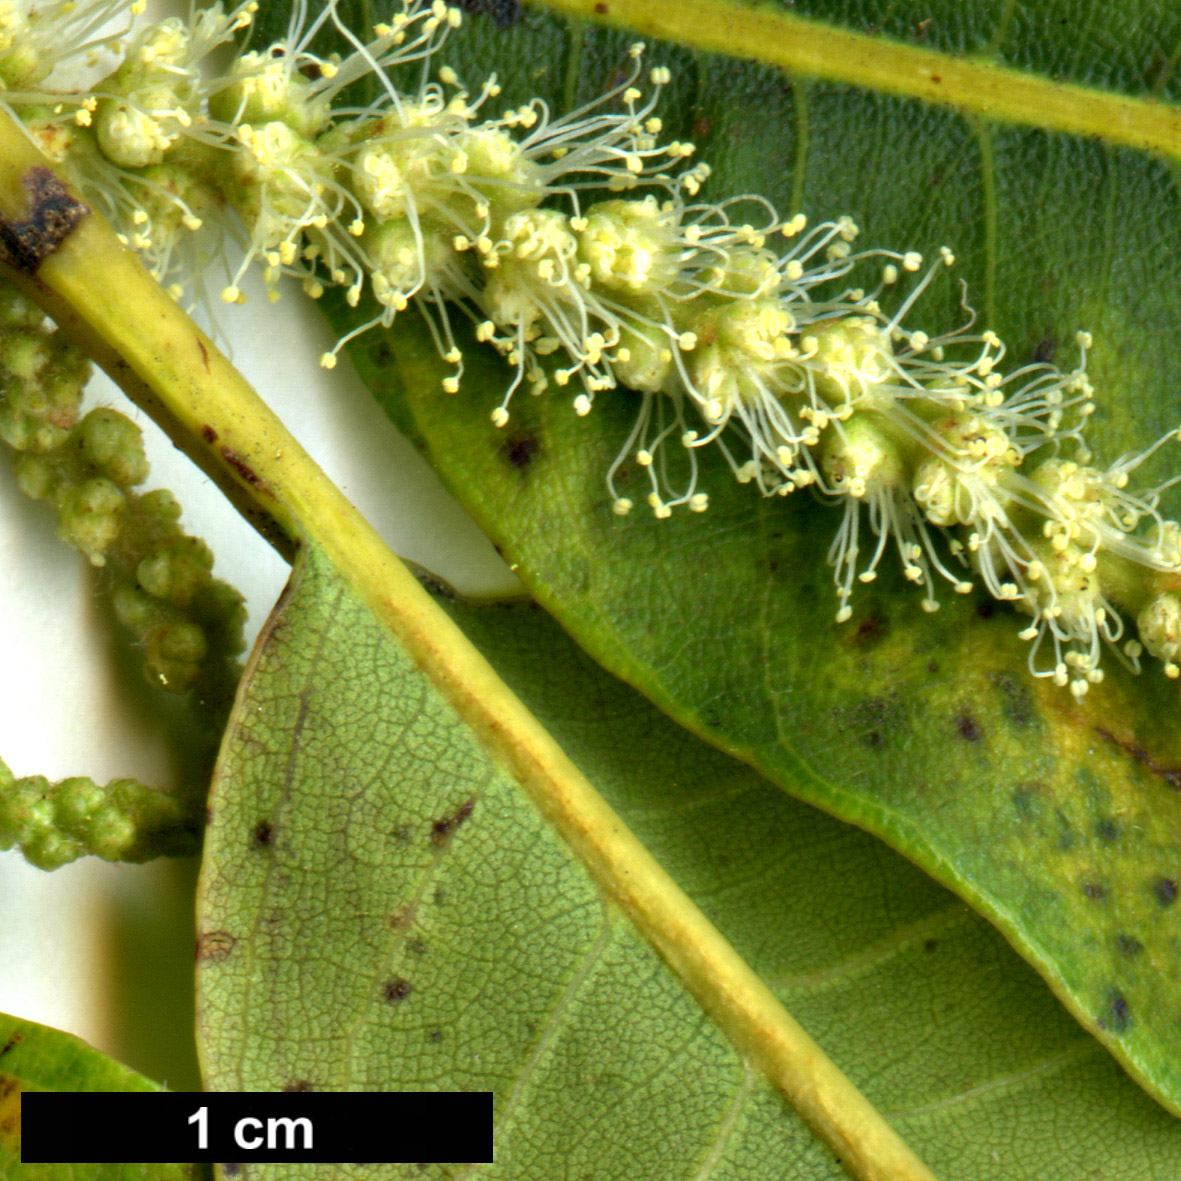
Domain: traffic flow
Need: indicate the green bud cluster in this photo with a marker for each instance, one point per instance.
(55, 823)
(188, 623)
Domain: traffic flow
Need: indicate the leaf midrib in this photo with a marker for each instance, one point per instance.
(813, 49)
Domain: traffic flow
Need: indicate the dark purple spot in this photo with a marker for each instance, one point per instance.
(396, 990)
(1128, 946)
(1107, 830)
(504, 13)
(1095, 890)
(1120, 1010)
(443, 830)
(520, 450)
(1046, 348)
(1165, 890)
(968, 728)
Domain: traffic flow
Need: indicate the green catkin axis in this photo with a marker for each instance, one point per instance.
(55, 823)
(188, 623)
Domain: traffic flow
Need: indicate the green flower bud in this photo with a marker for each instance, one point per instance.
(1160, 630)
(175, 653)
(178, 573)
(860, 458)
(265, 89)
(630, 246)
(114, 444)
(89, 517)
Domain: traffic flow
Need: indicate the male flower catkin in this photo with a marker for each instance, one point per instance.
(578, 248)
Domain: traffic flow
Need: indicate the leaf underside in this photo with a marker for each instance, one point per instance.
(383, 909)
(1054, 819)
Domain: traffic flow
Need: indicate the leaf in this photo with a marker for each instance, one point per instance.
(36, 1058)
(1056, 820)
(382, 910)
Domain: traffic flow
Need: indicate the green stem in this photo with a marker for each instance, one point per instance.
(812, 49)
(141, 336)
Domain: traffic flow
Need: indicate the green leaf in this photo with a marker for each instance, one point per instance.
(1056, 820)
(36, 1058)
(383, 910)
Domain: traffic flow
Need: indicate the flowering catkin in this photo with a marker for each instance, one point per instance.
(577, 247)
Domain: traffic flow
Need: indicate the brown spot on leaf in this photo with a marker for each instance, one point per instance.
(870, 631)
(602, 8)
(1096, 891)
(1165, 890)
(208, 434)
(444, 829)
(520, 451)
(968, 728)
(1120, 1012)
(10, 1114)
(702, 126)
(403, 917)
(396, 990)
(262, 835)
(297, 1086)
(504, 13)
(215, 946)
(1046, 348)
(416, 947)
(1107, 830)
(204, 353)
(50, 216)
(1128, 945)
(11, 1044)
(1016, 703)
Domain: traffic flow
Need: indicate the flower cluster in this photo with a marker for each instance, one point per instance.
(577, 248)
(55, 823)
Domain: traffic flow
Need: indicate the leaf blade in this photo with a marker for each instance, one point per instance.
(38, 1058)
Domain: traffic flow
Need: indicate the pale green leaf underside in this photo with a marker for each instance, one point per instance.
(37, 1058)
(1058, 821)
(362, 929)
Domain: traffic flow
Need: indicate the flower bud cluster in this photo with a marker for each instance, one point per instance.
(188, 622)
(55, 823)
(577, 248)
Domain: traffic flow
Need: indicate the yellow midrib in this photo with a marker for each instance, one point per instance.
(813, 49)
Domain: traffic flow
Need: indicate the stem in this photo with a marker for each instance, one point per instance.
(813, 49)
(100, 292)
